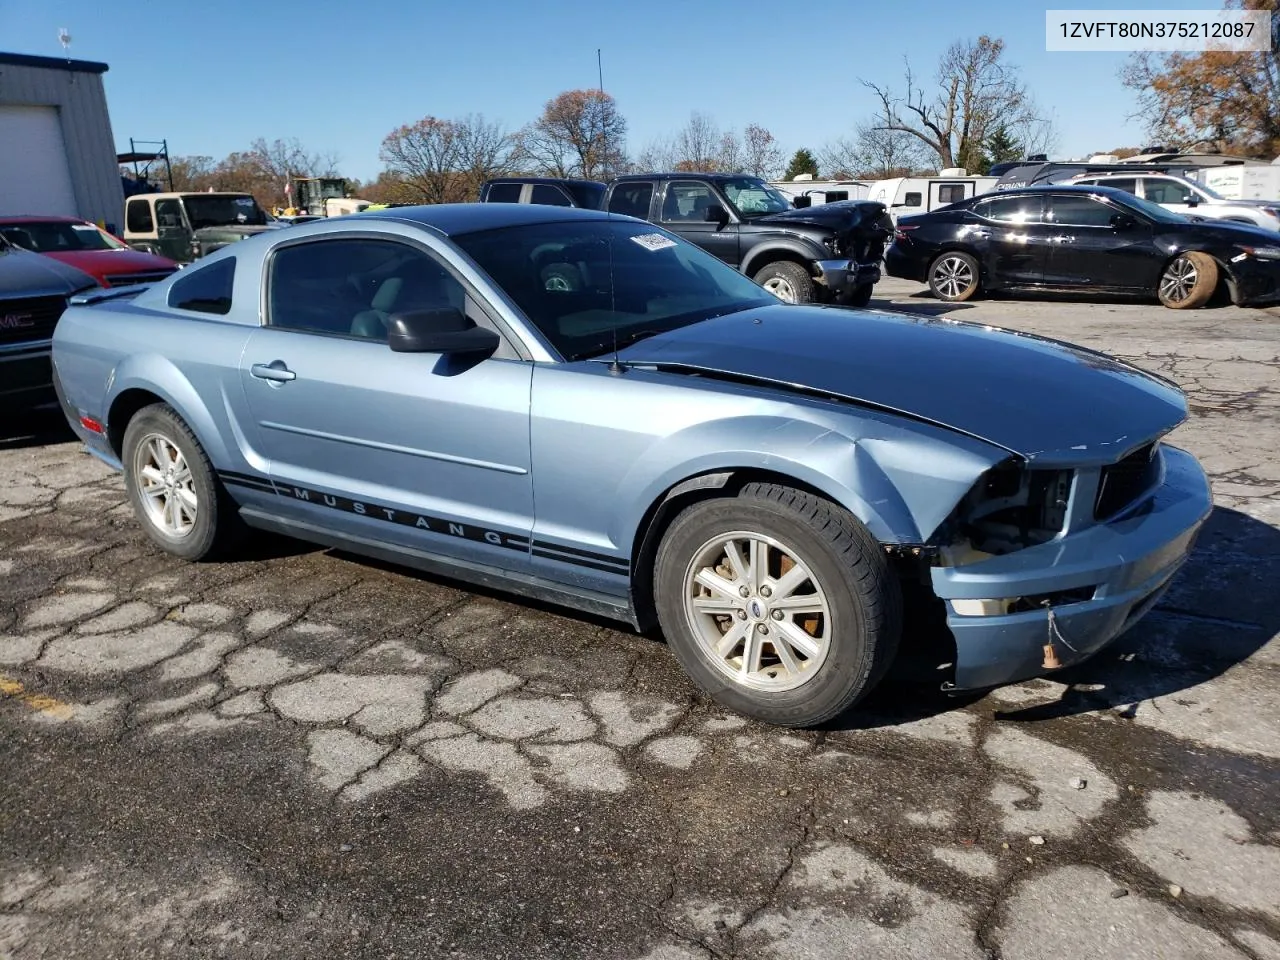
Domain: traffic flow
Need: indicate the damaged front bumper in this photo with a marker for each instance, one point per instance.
(845, 276)
(1098, 582)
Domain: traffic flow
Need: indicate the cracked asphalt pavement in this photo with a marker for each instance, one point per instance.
(305, 754)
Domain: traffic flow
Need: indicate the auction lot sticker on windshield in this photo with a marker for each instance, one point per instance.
(654, 241)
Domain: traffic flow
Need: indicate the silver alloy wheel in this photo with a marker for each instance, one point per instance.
(1179, 280)
(952, 276)
(758, 612)
(781, 289)
(166, 486)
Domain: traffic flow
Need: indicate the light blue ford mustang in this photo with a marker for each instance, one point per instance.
(586, 409)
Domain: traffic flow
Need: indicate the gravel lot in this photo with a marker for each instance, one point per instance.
(308, 754)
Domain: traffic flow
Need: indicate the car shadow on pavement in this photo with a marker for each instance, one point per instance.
(35, 427)
(1219, 611)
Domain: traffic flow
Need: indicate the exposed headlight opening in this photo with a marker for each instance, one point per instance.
(1260, 253)
(1010, 508)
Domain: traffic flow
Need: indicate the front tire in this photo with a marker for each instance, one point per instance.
(1188, 281)
(787, 281)
(953, 277)
(779, 604)
(174, 491)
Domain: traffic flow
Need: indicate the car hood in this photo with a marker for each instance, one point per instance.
(236, 230)
(1038, 398)
(839, 216)
(1232, 232)
(106, 263)
(23, 273)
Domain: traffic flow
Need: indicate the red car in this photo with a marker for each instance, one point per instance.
(87, 247)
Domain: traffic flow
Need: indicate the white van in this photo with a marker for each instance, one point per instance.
(1242, 183)
(907, 195)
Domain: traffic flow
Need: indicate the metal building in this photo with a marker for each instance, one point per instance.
(57, 153)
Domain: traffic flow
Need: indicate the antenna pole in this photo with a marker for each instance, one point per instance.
(599, 70)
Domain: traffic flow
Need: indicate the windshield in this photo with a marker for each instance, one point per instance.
(211, 210)
(1152, 211)
(52, 236)
(753, 197)
(581, 283)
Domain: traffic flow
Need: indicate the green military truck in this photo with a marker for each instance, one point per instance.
(187, 226)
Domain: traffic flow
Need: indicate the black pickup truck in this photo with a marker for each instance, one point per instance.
(830, 252)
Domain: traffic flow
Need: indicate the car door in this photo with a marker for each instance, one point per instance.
(1010, 238)
(172, 230)
(683, 211)
(1088, 250)
(415, 449)
(1170, 194)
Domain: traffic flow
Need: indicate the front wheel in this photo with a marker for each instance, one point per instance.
(787, 281)
(778, 604)
(1188, 281)
(954, 276)
(173, 489)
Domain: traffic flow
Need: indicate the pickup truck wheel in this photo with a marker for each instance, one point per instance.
(1188, 281)
(954, 276)
(779, 604)
(174, 492)
(787, 281)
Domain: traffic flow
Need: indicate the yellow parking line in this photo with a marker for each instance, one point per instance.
(39, 702)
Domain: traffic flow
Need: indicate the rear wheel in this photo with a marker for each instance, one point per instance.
(954, 276)
(778, 604)
(173, 489)
(1188, 281)
(787, 281)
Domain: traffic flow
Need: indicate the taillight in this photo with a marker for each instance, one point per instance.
(900, 232)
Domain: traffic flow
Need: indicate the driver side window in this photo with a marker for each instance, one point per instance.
(687, 201)
(352, 287)
(1165, 191)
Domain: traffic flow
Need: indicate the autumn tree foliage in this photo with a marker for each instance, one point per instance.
(581, 133)
(976, 90)
(1230, 101)
(703, 146)
(445, 161)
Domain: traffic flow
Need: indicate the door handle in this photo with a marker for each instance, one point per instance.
(1063, 238)
(276, 370)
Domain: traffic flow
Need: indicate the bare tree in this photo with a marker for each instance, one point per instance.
(580, 133)
(761, 155)
(425, 156)
(289, 158)
(658, 155)
(874, 153)
(698, 144)
(484, 150)
(976, 89)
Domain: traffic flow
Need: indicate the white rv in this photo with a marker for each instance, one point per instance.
(820, 191)
(1243, 183)
(907, 195)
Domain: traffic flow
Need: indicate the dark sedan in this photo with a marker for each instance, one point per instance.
(1072, 239)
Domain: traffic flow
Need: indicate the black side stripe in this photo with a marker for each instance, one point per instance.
(433, 524)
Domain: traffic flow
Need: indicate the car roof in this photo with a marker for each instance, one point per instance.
(192, 193)
(36, 218)
(550, 180)
(1055, 188)
(685, 175)
(459, 218)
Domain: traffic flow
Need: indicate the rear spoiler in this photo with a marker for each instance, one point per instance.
(101, 294)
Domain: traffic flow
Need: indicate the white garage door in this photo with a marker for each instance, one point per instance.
(34, 177)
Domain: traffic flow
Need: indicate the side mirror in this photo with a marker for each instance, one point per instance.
(716, 214)
(444, 330)
(800, 203)
(1122, 221)
(1193, 200)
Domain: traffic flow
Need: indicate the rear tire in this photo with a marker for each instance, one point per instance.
(175, 493)
(820, 621)
(953, 277)
(1188, 281)
(787, 281)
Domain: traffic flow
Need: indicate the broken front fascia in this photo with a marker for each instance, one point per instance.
(1097, 576)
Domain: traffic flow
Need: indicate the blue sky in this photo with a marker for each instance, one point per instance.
(210, 77)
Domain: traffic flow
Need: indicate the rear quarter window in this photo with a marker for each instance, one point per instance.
(206, 288)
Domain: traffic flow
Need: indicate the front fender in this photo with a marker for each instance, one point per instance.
(900, 482)
(767, 250)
